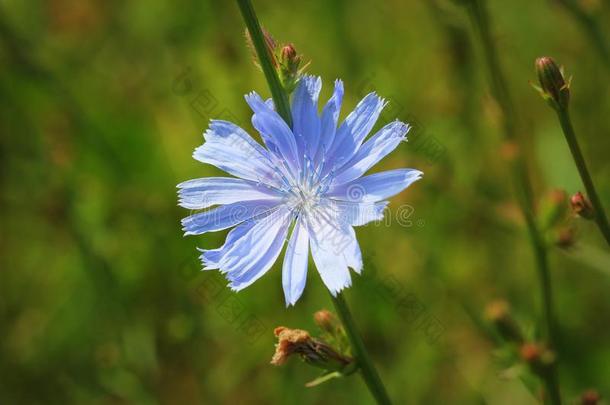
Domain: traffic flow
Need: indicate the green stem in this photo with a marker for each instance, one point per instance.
(371, 378)
(480, 21)
(568, 130)
(280, 98)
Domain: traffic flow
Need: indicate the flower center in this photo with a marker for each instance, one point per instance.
(303, 198)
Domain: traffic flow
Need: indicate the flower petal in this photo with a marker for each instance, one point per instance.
(328, 122)
(354, 129)
(210, 258)
(373, 150)
(306, 123)
(231, 149)
(294, 269)
(254, 253)
(225, 216)
(327, 241)
(203, 193)
(375, 187)
(357, 214)
(352, 252)
(276, 134)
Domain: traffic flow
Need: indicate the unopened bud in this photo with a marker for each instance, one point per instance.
(509, 151)
(565, 237)
(288, 68)
(289, 53)
(581, 206)
(590, 397)
(498, 312)
(553, 208)
(537, 356)
(553, 86)
(530, 352)
(311, 350)
(326, 321)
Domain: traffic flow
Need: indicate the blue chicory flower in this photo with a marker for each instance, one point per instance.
(307, 182)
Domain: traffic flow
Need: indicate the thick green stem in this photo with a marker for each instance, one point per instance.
(600, 215)
(280, 98)
(371, 378)
(480, 21)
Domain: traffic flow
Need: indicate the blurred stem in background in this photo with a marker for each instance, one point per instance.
(459, 49)
(280, 99)
(591, 27)
(480, 21)
(556, 91)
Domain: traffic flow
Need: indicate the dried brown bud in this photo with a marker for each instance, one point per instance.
(554, 87)
(581, 206)
(498, 312)
(590, 397)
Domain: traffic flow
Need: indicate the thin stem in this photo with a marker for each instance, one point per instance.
(480, 21)
(280, 98)
(371, 378)
(568, 130)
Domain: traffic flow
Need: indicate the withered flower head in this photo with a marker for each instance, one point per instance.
(289, 341)
(311, 350)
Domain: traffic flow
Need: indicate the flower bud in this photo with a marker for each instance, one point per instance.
(553, 85)
(498, 313)
(288, 53)
(581, 206)
(553, 208)
(509, 151)
(288, 67)
(565, 237)
(326, 321)
(537, 356)
(590, 397)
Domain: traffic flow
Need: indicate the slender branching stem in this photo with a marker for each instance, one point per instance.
(568, 130)
(369, 373)
(480, 21)
(280, 98)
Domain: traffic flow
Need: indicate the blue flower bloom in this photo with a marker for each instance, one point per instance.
(307, 182)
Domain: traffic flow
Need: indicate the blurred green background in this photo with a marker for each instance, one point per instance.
(101, 297)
